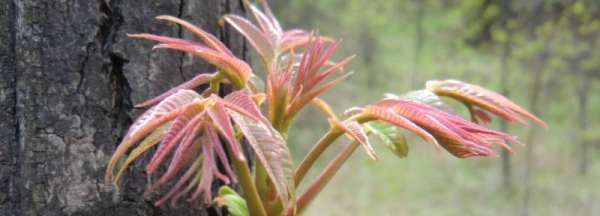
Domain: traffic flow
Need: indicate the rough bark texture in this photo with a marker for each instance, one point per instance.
(68, 79)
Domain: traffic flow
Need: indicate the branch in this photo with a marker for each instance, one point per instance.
(318, 149)
(315, 188)
(312, 156)
(255, 204)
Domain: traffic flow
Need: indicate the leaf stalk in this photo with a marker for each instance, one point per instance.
(323, 179)
(250, 193)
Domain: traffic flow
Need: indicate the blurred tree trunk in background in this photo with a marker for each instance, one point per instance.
(506, 12)
(583, 90)
(368, 50)
(536, 89)
(584, 77)
(504, 74)
(418, 43)
(68, 79)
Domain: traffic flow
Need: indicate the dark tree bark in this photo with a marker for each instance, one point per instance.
(68, 79)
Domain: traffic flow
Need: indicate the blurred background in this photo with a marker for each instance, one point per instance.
(542, 54)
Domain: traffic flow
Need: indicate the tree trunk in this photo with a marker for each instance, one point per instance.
(506, 161)
(68, 79)
(418, 43)
(537, 84)
(368, 47)
(583, 92)
(506, 11)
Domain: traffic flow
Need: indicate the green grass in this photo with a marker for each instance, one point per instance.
(434, 183)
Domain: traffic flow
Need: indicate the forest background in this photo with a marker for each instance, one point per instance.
(544, 54)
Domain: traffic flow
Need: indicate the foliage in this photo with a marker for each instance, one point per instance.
(236, 205)
(446, 53)
(203, 131)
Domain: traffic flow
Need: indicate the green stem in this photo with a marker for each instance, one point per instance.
(312, 156)
(315, 188)
(250, 193)
(318, 149)
(260, 179)
(265, 189)
(235, 81)
(215, 85)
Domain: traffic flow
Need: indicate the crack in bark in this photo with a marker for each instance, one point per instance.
(82, 66)
(180, 35)
(15, 193)
(222, 32)
(109, 24)
(13, 144)
(95, 92)
(113, 67)
(107, 35)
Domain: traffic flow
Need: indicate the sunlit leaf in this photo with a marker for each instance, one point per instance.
(308, 96)
(257, 38)
(483, 98)
(193, 83)
(147, 144)
(186, 122)
(245, 105)
(165, 39)
(171, 103)
(215, 140)
(212, 51)
(209, 170)
(270, 16)
(184, 154)
(236, 70)
(427, 97)
(192, 172)
(358, 134)
(270, 29)
(391, 117)
(295, 38)
(273, 30)
(269, 146)
(221, 119)
(240, 107)
(153, 118)
(391, 137)
(478, 115)
(210, 40)
(460, 137)
(271, 150)
(307, 83)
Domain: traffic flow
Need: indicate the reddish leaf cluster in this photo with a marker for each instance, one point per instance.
(424, 113)
(192, 133)
(213, 51)
(291, 89)
(460, 137)
(480, 101)
(268, 38)
(193, 139)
